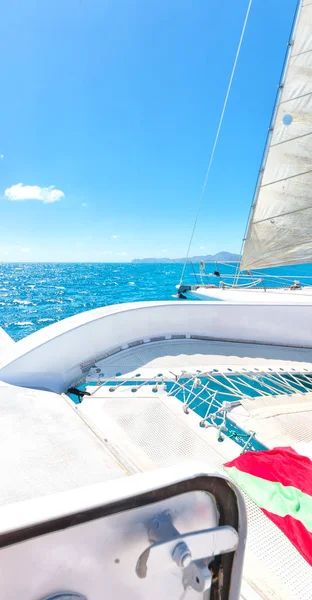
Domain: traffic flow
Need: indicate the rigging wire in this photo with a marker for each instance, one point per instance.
(216, 137)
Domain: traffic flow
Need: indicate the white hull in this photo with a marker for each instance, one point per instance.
(54, 357)
(276, 295)
(5, 341)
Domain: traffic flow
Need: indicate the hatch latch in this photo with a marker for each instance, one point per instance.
(192, 552)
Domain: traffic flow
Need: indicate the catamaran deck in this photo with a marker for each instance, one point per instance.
(145, 410)
(150, 428)
(46, 448)
(152, 431)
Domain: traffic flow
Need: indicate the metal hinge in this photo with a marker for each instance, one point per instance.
(192, 551)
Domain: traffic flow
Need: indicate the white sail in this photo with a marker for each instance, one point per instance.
(280, 226)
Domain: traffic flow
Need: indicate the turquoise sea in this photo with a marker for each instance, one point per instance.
(33, 295)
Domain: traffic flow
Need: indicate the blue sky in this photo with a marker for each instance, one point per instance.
(115, 103)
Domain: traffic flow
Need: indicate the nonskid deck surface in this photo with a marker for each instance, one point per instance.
(145, 424)
(176, 355)
(288, 423)
(46, 448)
(151, 430)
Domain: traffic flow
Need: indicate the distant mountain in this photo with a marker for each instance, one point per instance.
(219, 257)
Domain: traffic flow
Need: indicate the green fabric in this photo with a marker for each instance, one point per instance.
(275, 497)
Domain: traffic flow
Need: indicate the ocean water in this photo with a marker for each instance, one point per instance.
(34, 295)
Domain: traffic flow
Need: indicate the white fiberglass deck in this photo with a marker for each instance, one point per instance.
(46, 448)
(192, 355)
(285, 421)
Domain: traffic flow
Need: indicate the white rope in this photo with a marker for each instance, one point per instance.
(243, 285)
(216, 138)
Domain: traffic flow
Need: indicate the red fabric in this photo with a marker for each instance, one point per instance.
(297, 534)
(284, 465)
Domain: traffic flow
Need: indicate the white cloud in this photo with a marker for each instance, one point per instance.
(122, 254)
(165, 250)
(202, 247)
(33, 192)
(25, 250)
(114, 237)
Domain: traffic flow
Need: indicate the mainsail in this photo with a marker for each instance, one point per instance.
(280, 226)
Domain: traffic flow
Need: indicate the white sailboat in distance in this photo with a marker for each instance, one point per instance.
(279, 231)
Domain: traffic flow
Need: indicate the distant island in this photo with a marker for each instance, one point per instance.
(219, 257)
